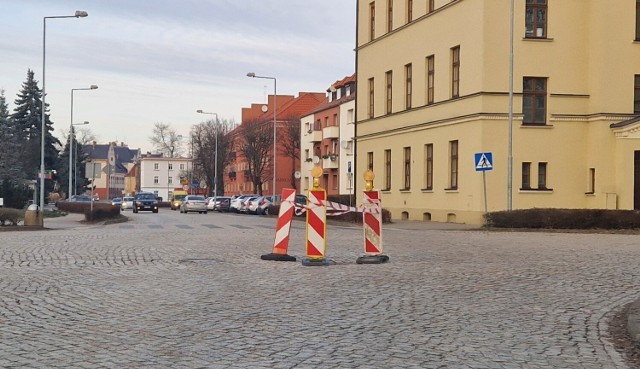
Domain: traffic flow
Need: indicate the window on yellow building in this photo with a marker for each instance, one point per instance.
(455, 72)
(536, 19)
(636, 94)
(389, 15)
(409, 11)
(430, 6)
(407, 168)
(370, 161)
(430, 78)
(637, 20)
(389, 91)
(592, 181)
(542, 176)
(372, 21)
(408, 86)
(526, 176)
(428, 148)
(387, 169)
(534, 100)
(453, 165)
(371, 100)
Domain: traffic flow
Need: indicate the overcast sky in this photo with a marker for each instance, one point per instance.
(161, 60)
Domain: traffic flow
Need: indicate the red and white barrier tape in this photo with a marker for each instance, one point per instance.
(334, 208)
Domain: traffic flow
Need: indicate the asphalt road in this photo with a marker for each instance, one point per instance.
(173, 290)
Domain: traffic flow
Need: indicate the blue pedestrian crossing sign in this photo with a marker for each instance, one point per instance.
(484, 161)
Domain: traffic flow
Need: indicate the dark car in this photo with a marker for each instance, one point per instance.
(145, 201)
(222, 203)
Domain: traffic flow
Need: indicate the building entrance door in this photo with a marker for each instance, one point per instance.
(636, 180)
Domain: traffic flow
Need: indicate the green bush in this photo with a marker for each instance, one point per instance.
(564, 219)
(10, 216)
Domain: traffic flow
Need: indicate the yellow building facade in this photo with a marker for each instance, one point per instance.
(434, 89)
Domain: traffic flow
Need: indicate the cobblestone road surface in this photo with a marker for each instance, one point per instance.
(197, 295)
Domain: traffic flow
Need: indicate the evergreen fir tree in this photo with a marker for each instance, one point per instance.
(27, 121)
(10, 166)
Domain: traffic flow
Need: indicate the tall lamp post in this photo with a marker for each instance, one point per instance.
(72, 134)
(72, 166)
(275, 94)
(215, 170)
(78, 14)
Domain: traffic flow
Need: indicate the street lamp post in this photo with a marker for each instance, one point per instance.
(275, 94)
(72, 134)
(215, 170)
(72, 166)
(78, 14)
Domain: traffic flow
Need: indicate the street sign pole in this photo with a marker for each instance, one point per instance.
(484, 182)
(484, 162)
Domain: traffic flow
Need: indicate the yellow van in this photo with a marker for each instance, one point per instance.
(176, 199)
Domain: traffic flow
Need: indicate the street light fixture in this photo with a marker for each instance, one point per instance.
(275, 94)
(78, 14)
(215, 170)
(71, 139)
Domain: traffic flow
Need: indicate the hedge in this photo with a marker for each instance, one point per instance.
(101, 210)
(10, 216)
(564, 219)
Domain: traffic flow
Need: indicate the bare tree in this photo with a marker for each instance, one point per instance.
(166, 140)
(290, 144)
(205, 137)
(255, 143)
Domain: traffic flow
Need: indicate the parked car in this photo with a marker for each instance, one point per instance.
(222, 203)
(116, 201)
(79, 198)
(236, 202)
(244, 204)
(211, 203)
(263, 205)
(301, 199)
(193, 203)
(145, 201)
(127, 203)
(252, 204)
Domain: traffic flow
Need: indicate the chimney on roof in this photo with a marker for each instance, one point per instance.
(94, 145)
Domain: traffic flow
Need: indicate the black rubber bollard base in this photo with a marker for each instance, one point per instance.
(278, 257)
(315, 262)
(372, 259)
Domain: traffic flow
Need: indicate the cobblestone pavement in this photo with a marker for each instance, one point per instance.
(197, 295)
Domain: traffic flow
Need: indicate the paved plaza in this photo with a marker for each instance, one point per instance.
(193, 293)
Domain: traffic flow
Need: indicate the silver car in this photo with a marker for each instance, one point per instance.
(127, 203)
(193, 203)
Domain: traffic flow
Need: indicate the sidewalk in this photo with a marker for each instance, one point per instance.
(420, 225)
(71, 220)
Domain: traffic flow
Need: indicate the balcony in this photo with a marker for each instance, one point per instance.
(331, 132)
(330, 161)
(315, 136)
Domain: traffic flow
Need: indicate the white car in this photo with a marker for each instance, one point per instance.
(193, 203)
(236, 202)
(127, 203)
(211, 201)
